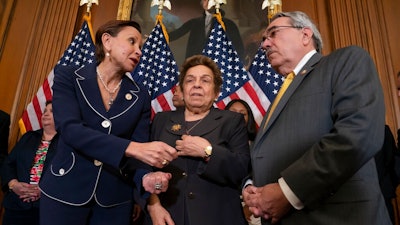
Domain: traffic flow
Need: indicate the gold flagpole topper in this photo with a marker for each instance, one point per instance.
(274, 6)
(216, 3)
(161, 4)
(89, 4)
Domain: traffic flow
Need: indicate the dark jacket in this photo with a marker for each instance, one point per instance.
(18, 165)
(197, 35)
(206, 192)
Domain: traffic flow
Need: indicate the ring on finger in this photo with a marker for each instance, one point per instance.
(158, 186)
(164, 162)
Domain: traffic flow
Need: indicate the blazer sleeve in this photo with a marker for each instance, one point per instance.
(230, 159)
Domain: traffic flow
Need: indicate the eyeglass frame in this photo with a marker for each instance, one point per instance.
(271, 32)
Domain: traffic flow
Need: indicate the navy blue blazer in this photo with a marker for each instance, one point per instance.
(90, 160)
(207, 191)
(17, 165)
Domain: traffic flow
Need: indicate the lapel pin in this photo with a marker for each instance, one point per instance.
(128, 97)
(176, 127)
(303, 72)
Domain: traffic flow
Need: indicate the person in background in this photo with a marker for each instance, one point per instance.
(213, 151)
(385, 161)
(103, 156)
(177, 98)
(4, 133)
(313, 157)
(199, 29)
(22, 170)
(240, 106)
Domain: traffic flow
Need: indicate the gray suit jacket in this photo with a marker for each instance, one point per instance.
(322, 138)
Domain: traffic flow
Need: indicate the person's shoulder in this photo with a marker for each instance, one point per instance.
(32, 134)
(230, 115)
(352, 50)
(165, 114)
(4, 115)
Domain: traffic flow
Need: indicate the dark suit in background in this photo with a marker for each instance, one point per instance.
(198, 37)
(385, 165)
(4, 133)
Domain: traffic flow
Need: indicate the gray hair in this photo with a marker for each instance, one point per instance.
(300, 19)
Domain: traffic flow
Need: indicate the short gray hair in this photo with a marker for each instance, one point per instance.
(300, 19)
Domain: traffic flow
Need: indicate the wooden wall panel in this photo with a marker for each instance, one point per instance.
(362, 23)
(39, 33)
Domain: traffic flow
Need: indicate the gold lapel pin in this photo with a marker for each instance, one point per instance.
(176, 127)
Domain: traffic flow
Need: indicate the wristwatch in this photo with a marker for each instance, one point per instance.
(207, 152)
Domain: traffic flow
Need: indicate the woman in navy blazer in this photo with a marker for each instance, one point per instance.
(103, 118)
(213, 153)
(19, 182)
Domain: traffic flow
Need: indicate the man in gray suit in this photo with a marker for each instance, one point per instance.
(313, 159)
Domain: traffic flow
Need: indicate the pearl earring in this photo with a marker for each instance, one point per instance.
(107, 54)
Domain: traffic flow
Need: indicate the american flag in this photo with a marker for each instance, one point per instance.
(80, 51)
(157, 70)
(265, 78)
(237, 81)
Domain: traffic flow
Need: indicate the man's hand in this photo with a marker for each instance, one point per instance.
(268, 201)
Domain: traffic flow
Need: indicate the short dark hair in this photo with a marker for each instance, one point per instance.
(48, 102)
(251, 122)
(112, 27)
(197, 60)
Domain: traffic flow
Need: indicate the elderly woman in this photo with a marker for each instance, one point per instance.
(22, 170)
(213, 151)
(103, 119)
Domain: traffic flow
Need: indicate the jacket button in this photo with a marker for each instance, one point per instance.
(105, 123)
(184, 174)
(97, 162)
(191, 195)
(61, 171)
(128, 97)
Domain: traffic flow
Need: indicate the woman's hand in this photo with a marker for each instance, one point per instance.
(26, 192)
(191, 146)
(156, 182)
(136, 212)
(156, 153)
(159, 215)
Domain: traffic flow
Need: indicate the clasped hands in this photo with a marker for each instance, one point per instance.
(267, 201)
(26, 192)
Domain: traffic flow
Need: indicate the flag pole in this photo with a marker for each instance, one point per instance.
(89, 4)
(88, 16)
(161, 4)
(274, 7)
(217, 15)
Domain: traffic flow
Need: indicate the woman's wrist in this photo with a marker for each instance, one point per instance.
(12, 184)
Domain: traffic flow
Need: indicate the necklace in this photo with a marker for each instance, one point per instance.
(194, 125)
(110, 93)
(197, 123)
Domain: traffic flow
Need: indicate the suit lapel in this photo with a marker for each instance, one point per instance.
(305, 71)
(86, 78)
(177, 124)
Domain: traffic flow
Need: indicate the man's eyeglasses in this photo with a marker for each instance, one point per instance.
(272, 31)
